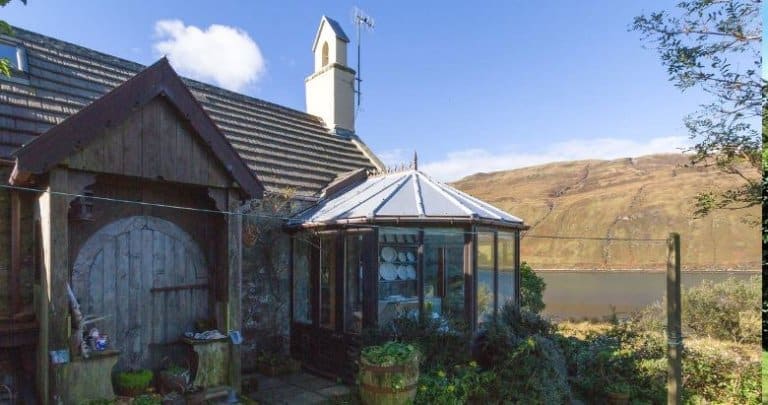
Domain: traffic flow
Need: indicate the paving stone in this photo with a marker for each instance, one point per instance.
(334, 391)
(313, 383)
(306, 398)
(267, 383)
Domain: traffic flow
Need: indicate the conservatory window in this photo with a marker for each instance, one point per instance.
(301, 291)
(353, 276)
(328, 281)
(444, 273)
(486, 278)
(507, 254)
(398, 295)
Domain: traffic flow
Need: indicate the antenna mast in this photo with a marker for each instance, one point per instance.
(362, 21)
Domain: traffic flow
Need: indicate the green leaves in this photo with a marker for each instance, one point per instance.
(715, 46)
(390, 353)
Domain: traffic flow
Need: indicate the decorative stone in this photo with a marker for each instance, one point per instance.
(212, 361)
(82, 380)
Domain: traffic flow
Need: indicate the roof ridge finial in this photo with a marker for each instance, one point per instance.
(415, 161)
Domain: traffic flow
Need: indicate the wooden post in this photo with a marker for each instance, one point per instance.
(674, 335)
(13, 281)
(53, 313)
(234, 284)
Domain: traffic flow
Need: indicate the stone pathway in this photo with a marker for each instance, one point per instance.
(299, 388)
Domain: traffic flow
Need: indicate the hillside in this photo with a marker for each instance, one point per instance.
(645, 197)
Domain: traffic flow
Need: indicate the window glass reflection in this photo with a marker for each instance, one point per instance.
(444, 273)
(485, 254)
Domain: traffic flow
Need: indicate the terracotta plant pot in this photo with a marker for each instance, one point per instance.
(376, 386)
(617, 398)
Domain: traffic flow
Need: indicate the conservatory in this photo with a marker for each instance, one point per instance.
(395, 244)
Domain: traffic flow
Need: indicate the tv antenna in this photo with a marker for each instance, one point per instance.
(362, 21)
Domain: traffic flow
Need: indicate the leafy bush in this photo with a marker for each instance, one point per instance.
(390, 353)
(533, 372)
(727, 310)
(524, 323)
(442, 343)
(462, 384)
(531, 289)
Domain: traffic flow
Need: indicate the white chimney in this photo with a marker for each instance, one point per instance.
(330, 89)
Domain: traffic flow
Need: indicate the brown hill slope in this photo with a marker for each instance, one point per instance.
(645, 197)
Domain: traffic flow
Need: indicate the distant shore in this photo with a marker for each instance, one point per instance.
(664, 270)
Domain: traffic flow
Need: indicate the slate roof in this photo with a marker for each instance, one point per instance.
(335, 27)
(408, 196)
(286, 148)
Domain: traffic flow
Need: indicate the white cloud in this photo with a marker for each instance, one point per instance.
(463, 163)
(224, 55)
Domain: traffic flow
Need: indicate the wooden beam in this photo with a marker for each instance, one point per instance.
(53, 312)
(15, 274)
(234, 284)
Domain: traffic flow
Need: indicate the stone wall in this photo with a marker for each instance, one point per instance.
(266, 277)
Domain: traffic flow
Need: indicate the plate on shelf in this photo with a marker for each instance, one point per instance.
(410, 272)
(388, 254)
(388, 271)
(410, 256)
(402, 256)
(402, 272)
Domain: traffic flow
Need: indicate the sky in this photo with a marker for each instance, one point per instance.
(470, 89)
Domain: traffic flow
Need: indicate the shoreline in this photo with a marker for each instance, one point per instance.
(717, 271)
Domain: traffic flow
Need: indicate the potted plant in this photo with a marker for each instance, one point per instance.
(173, 378)
(617, 393)
(389, 373)
(132, 383)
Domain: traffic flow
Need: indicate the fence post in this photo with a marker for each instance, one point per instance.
(674, 330)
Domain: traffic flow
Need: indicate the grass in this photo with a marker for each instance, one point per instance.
(765, 377)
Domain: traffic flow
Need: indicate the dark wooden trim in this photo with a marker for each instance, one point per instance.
(470, 287)
(292, 295)
(314, 279)
(495, 275)
(14, 276)
(420, 274)
(370, 278)
(339, 301)
(78, 130)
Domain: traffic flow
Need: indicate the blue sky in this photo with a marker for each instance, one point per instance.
(470, 88)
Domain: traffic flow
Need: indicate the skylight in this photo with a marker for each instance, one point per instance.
(16, 56)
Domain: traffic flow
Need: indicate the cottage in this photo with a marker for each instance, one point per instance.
(125, 184)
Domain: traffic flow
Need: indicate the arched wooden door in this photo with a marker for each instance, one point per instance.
(149, 278)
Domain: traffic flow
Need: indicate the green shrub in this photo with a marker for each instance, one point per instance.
(727, 310)
(524, 323)
(442, 343)
(459, 385)
(533, 372)
(531, 289)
